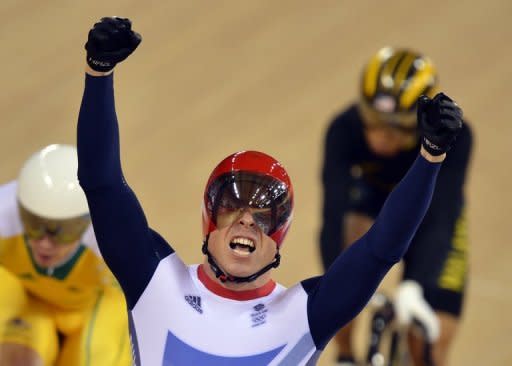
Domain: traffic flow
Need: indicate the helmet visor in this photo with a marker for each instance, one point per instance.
(63, 231)
(266, 198)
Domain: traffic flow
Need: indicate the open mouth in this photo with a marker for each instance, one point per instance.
(242, 246)
(44, 259)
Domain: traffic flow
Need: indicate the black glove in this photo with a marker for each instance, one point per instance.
(439, 121)
(110, 41)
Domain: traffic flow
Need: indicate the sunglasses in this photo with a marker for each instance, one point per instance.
(65, 231)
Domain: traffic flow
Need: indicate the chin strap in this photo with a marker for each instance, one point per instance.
(226, 277)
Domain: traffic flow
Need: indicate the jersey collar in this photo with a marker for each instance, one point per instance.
(244, 295)
(60, 271)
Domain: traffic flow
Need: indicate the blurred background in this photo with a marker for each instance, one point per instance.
(211, 78)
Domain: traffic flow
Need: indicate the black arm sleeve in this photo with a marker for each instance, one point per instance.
(348, 284)
(129, 247)
(335, 181)
(434, 240)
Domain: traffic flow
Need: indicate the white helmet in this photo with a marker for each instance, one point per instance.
(48, 184)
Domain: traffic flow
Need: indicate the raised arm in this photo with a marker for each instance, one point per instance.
(437, 240)
(346, 287)
(129, 247)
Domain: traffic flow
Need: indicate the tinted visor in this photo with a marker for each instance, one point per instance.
(64, 231)
(266, 198)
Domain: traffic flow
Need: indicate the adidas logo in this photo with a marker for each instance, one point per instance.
(258, 307)
(195, 302)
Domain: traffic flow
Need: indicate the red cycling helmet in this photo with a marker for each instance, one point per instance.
(249, 180)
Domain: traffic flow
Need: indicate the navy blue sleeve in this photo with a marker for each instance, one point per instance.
(342, 292)
(436, 236)
(129, 247)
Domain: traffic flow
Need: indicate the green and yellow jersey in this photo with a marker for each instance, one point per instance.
(72, 285)
(72, 314)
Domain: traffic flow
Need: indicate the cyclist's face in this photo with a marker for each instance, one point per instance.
(387, 134)
(388, 141)
(239, 244)
(47, 253)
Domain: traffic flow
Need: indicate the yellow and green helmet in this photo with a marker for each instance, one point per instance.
(391, 84)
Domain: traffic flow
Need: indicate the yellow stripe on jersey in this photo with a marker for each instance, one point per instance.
(453, 275)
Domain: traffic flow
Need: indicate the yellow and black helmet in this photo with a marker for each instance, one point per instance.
(391, 83)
